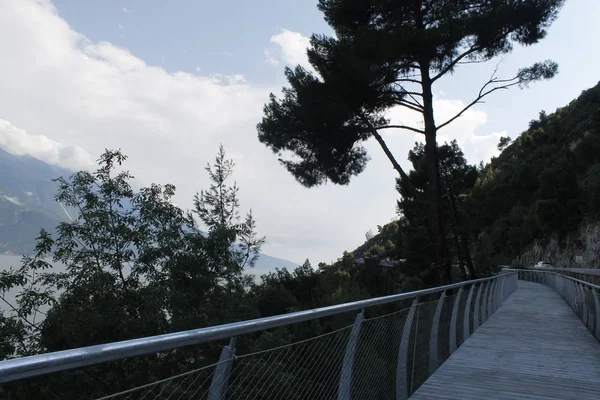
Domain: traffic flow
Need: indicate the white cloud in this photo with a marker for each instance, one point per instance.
(19, 142)
(65, 98)
(291, 49)
(125, 10)
(120, 26)
(464, 129)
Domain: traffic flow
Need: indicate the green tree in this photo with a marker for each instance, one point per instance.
(387, 54)
(457, 179)
(504, 142)
(218, 209)
(136, 265)
(115, 253)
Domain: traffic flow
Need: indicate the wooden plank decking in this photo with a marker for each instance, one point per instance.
(533, 347)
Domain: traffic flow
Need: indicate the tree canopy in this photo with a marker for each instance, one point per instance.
(389, 54)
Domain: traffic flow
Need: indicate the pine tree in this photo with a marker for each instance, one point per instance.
(390, 53)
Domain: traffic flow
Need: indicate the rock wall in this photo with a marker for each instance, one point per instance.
(579, 250)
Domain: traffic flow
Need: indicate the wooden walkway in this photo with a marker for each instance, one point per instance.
(533, 347)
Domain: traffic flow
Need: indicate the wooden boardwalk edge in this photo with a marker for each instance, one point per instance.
(533, 347)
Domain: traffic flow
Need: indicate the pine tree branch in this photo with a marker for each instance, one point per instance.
(412, 106)
(471, 62)
(482, 93)
(412, 95)
(387, 152)
(403, 176)
(409, 128)
(453, 63)
(408, 80)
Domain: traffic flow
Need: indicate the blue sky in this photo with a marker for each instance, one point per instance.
(168, 81)
(226, 37)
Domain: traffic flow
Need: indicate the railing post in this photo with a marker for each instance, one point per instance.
(433, 337)
(483, 309)
(345, 385)
(401, 364)
(454, 322)
(497, 300)
(476, 317)
(597, 306)
(584, 315)
(490, 298)
(500, 293)
(220, 379)
(508, 285)
(467, 315)
(493, 295)
(501, 297)
(573, 296)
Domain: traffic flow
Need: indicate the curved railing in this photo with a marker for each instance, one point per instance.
(583, 297)
(377, 348)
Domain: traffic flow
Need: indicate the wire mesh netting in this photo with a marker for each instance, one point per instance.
(305, 370)
(388, 350)
(374, 375)
(443, 337)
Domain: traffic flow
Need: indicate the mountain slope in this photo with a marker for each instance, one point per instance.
(27, 204)
(539, 199)
(544, 186)
(26, 201)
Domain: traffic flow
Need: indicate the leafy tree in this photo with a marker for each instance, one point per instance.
(230, 246)
(504, 142)
(387, 54)
(457, 178)
(136, 265)
(115, 253)
(541, 186)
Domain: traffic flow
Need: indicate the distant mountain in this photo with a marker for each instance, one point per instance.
(27, 204)
(266, 264)
(27, 201)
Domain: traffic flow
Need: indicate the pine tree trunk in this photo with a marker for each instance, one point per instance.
(436, 219)
(461, 241)
(465, 243)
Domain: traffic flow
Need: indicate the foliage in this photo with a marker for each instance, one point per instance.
(135, 265)
(544, 183)
(389, 54)
(503, 142)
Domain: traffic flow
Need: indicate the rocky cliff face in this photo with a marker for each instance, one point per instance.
(581, 249)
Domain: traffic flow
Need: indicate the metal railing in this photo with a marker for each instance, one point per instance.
(581, 296)
(386, 350)
(583, 274)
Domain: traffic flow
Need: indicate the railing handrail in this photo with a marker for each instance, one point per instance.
(583, 271)
(552, 271)
(41, 364)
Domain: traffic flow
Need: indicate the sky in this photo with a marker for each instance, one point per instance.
(168, 81)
